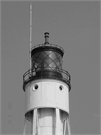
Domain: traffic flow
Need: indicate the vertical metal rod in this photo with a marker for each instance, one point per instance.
(34, 121)
(24, 131)
(30, 35)
(57, 121)
(64, 130)
(68, 125)
(32, 124)
(37, 124)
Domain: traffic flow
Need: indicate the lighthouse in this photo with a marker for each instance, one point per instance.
(46, 86)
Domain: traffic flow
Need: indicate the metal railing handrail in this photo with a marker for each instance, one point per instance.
(53, 45)
(48, 69)
(28, 76)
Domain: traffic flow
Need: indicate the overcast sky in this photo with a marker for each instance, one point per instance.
(75, 26)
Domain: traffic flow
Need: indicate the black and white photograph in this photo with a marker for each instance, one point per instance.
(50, 67)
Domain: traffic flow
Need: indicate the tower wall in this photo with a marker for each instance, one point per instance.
(49, 100)
(47, 93)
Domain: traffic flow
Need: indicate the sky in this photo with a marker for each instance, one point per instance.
(73, 25)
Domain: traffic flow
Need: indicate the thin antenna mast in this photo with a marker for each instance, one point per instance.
(30, 35)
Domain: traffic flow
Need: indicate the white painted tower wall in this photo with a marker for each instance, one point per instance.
(47, 107)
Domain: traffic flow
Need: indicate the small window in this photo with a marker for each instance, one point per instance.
(35, 87)
(61, 87)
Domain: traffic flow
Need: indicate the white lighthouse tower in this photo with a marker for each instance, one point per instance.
(46, 86)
